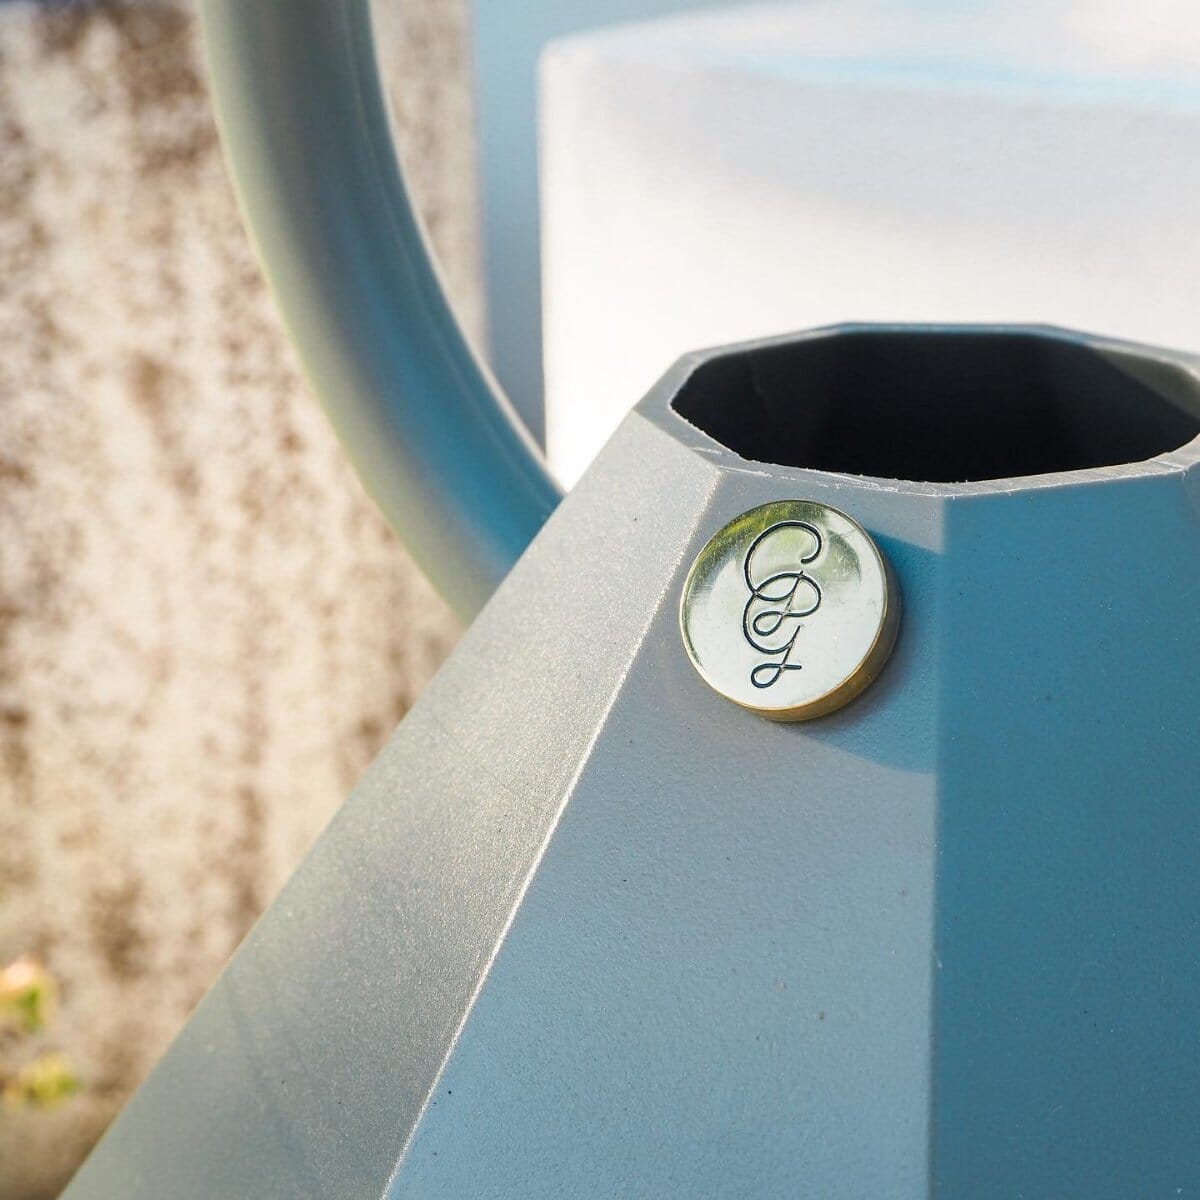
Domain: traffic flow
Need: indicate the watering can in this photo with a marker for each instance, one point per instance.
(809, 811)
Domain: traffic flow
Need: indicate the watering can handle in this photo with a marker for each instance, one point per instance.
(305, 128)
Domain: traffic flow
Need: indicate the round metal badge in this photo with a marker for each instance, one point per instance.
(790, 610)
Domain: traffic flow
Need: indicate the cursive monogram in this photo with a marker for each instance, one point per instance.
(781, 594)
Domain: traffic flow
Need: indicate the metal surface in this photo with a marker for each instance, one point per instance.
(789, 610)
(305, 129)
(588, 930)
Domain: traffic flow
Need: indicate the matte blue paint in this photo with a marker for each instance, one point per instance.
(1067, 1057)
(586, 930)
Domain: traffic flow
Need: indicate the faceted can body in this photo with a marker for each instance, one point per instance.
(588, 929)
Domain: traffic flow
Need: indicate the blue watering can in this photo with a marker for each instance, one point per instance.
(810, 812)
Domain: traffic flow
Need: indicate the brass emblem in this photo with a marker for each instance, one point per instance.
(789, 610)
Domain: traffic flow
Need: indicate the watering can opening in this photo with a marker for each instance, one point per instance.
(942, 404)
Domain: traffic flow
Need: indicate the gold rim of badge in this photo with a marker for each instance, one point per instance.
(790, 610)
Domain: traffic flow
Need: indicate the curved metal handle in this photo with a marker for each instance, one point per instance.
(305, 128)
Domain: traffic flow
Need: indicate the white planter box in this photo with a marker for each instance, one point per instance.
(767, 168)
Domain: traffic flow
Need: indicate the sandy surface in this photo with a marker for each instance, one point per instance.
(205, 629)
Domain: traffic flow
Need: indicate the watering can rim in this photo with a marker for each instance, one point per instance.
(658, 407)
